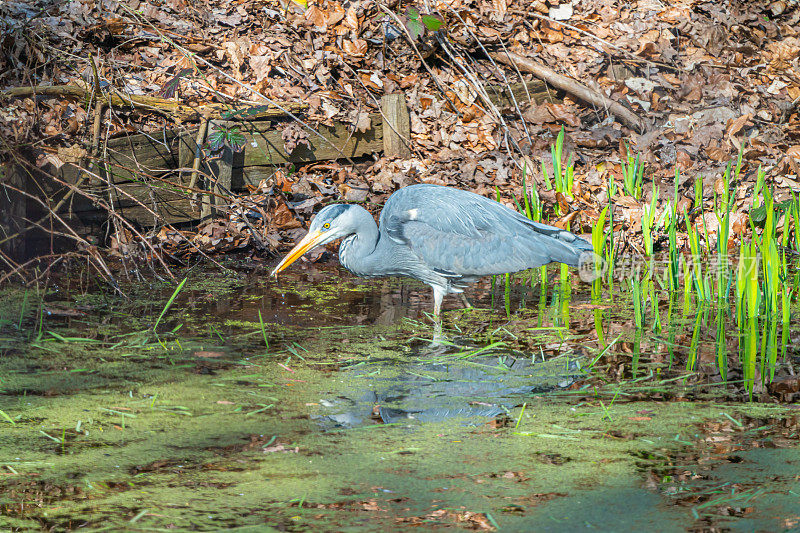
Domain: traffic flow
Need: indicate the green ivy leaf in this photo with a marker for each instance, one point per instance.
(413, 24)
(417, 24)
(222, 137)
(216, 140)
(169, 88)
(415, 28)
(236, 141)
(432, 22)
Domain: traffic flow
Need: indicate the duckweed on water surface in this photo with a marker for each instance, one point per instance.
(360, 426)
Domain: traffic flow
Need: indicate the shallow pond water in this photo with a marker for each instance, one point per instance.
(340, 414)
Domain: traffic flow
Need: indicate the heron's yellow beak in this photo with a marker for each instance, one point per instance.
(305, 244)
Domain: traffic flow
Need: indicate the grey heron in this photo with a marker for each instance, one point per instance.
(441, 236)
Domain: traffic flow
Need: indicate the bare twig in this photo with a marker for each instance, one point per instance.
(201, 135)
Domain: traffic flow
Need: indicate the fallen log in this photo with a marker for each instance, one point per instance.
(174, 108)
(573, 87)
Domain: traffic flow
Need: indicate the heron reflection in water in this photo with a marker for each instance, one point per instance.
(441, 236)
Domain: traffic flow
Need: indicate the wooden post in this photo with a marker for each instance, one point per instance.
(13, 211)
(396, 127)
(226, 172)
(222, 184)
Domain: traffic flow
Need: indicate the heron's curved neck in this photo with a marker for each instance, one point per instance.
(356, 249)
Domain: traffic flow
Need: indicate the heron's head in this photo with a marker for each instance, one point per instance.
(332, 222)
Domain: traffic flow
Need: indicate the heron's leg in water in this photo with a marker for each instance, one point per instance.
(438, 336)
(438, 296)
(465, 301)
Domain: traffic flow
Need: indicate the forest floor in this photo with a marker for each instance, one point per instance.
(709, 80)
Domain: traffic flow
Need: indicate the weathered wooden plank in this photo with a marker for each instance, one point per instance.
(396, 126)
(254, 175)
(136, 156)
(171, 211)
(166, 106)
(135, 200)
(265, 145)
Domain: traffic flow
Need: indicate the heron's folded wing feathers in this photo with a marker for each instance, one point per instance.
(453, 252)
(476, 243)
(457, 231)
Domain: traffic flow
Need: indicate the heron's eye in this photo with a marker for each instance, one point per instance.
(326, 225)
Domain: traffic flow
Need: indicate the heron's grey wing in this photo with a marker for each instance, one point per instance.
(462, 233)
(453, 253)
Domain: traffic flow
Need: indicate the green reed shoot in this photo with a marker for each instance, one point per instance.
(695, 342)
(688, 288)
(748, 295)
(786, 291)
(741, 287)
(598, 245)
(723, 235)
(611, 187)
(654, 293)
(609, 252)
(769, 349)
(700, 283)
(786, 296)
(632, 175)
(698, 194)
(598, 233)
(648, 218)
(598, 326)
(749, 355)
(638, 308)
(770, 263)
(674, 261)
(753, 292)
(563, 176)
(720, 346)
(761, 176)
(786, 228)
(529, 210)
(796, 218)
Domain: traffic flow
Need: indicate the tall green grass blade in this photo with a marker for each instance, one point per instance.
(720, 345)
(263, 330)
(169, 302)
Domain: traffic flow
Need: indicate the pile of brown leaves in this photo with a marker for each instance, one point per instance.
(712, 78)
